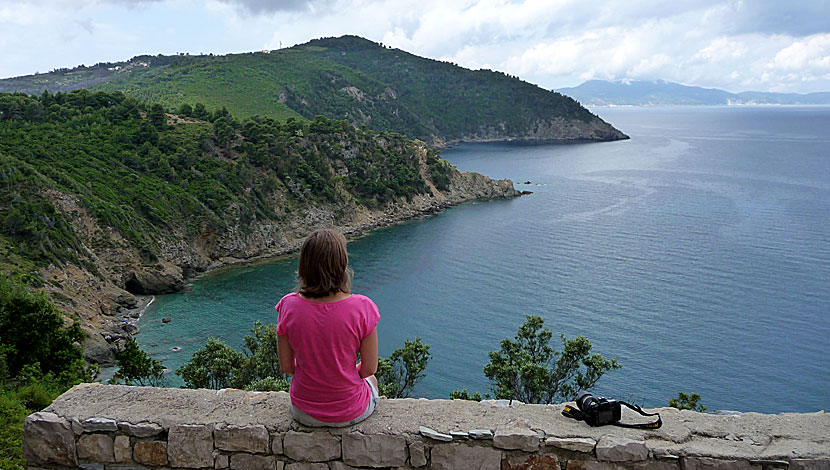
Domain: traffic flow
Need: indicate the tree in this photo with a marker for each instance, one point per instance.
(687, 402)
(32, 332)
(269, 384)
(200, 112)
(211, 367)
(186, 110)
(260, 368)
(135, 367)
(465, 395)
(223, 131)
(527, 368)
(398, 374)
(157, 117)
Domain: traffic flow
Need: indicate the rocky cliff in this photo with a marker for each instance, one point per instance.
(555, 130)
(103, 198)
(106, 299)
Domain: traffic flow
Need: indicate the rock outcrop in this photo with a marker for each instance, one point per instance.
(556, 130)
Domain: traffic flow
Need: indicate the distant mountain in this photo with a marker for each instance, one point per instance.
(663, 93)
(351, 78)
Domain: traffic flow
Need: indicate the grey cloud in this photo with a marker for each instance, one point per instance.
(797, 18)
(271, 6)
(87, 25)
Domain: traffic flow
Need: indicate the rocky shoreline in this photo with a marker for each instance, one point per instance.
(111, 302)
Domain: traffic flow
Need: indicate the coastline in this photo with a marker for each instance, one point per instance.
(110, 308)
(351, 232)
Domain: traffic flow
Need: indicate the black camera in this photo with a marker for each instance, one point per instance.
(598, 411)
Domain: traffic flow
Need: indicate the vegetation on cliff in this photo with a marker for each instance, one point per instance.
(147, 175)
(348, 78)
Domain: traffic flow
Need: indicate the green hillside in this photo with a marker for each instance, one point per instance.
(347, 78)
(131, 170)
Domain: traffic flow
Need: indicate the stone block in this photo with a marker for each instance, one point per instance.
(516, 435)
(702, 463)
(48, 439)
(770, 464)
(190, 446)
(336, 465)
(417, 454)
(576, 444)
(810, 464)
(253, 439)
(530, 462)
(96, 447)
(481, 434)
(220, 460)
(276, 444)
(456, 456)
(306, 466)
(76, 426)
(91, 466)
(142, 429)
(311, 446)
(150, 452)
(123, 450)
(244, 461)
(374, 450)
(131, 466)
(433, 434)
(593, 465)
(620, 449)
(100, 425)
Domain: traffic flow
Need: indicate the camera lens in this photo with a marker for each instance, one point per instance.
(585, 401)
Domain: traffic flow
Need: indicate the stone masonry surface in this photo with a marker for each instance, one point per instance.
(110, 427)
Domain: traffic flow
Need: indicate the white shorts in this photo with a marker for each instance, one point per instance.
(307, 420)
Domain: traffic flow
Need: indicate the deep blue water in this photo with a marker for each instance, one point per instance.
(698, 253)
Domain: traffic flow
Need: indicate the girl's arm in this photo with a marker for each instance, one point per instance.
(287, 364)
(368, 355)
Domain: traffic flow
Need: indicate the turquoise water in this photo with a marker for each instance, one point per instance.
(698, 252)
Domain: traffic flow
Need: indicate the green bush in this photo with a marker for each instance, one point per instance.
(687, 402)
(136, 367)
(399, 373)
(527, 368)
(33, 334)
(39, 360)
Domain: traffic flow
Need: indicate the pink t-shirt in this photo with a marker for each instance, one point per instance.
(325, 338)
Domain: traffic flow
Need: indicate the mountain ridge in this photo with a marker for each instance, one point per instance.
(664, 93)
(351, 78)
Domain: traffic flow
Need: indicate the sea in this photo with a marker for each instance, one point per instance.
(697, 253)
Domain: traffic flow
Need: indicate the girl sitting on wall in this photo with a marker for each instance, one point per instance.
(320, 329)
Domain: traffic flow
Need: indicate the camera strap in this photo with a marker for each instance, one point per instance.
(654, 425)
(578, 415)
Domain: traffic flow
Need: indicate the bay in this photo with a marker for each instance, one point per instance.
(698, 253)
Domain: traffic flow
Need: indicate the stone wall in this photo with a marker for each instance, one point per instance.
(116, 427)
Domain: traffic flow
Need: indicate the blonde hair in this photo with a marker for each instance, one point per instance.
(323, 268)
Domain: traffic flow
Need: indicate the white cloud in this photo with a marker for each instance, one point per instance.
(812, 54)
(722, 48)
(727, 44)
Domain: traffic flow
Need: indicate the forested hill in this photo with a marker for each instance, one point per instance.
(103, 196)
(348, 78)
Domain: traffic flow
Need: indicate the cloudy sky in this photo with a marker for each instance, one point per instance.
(764, 45)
